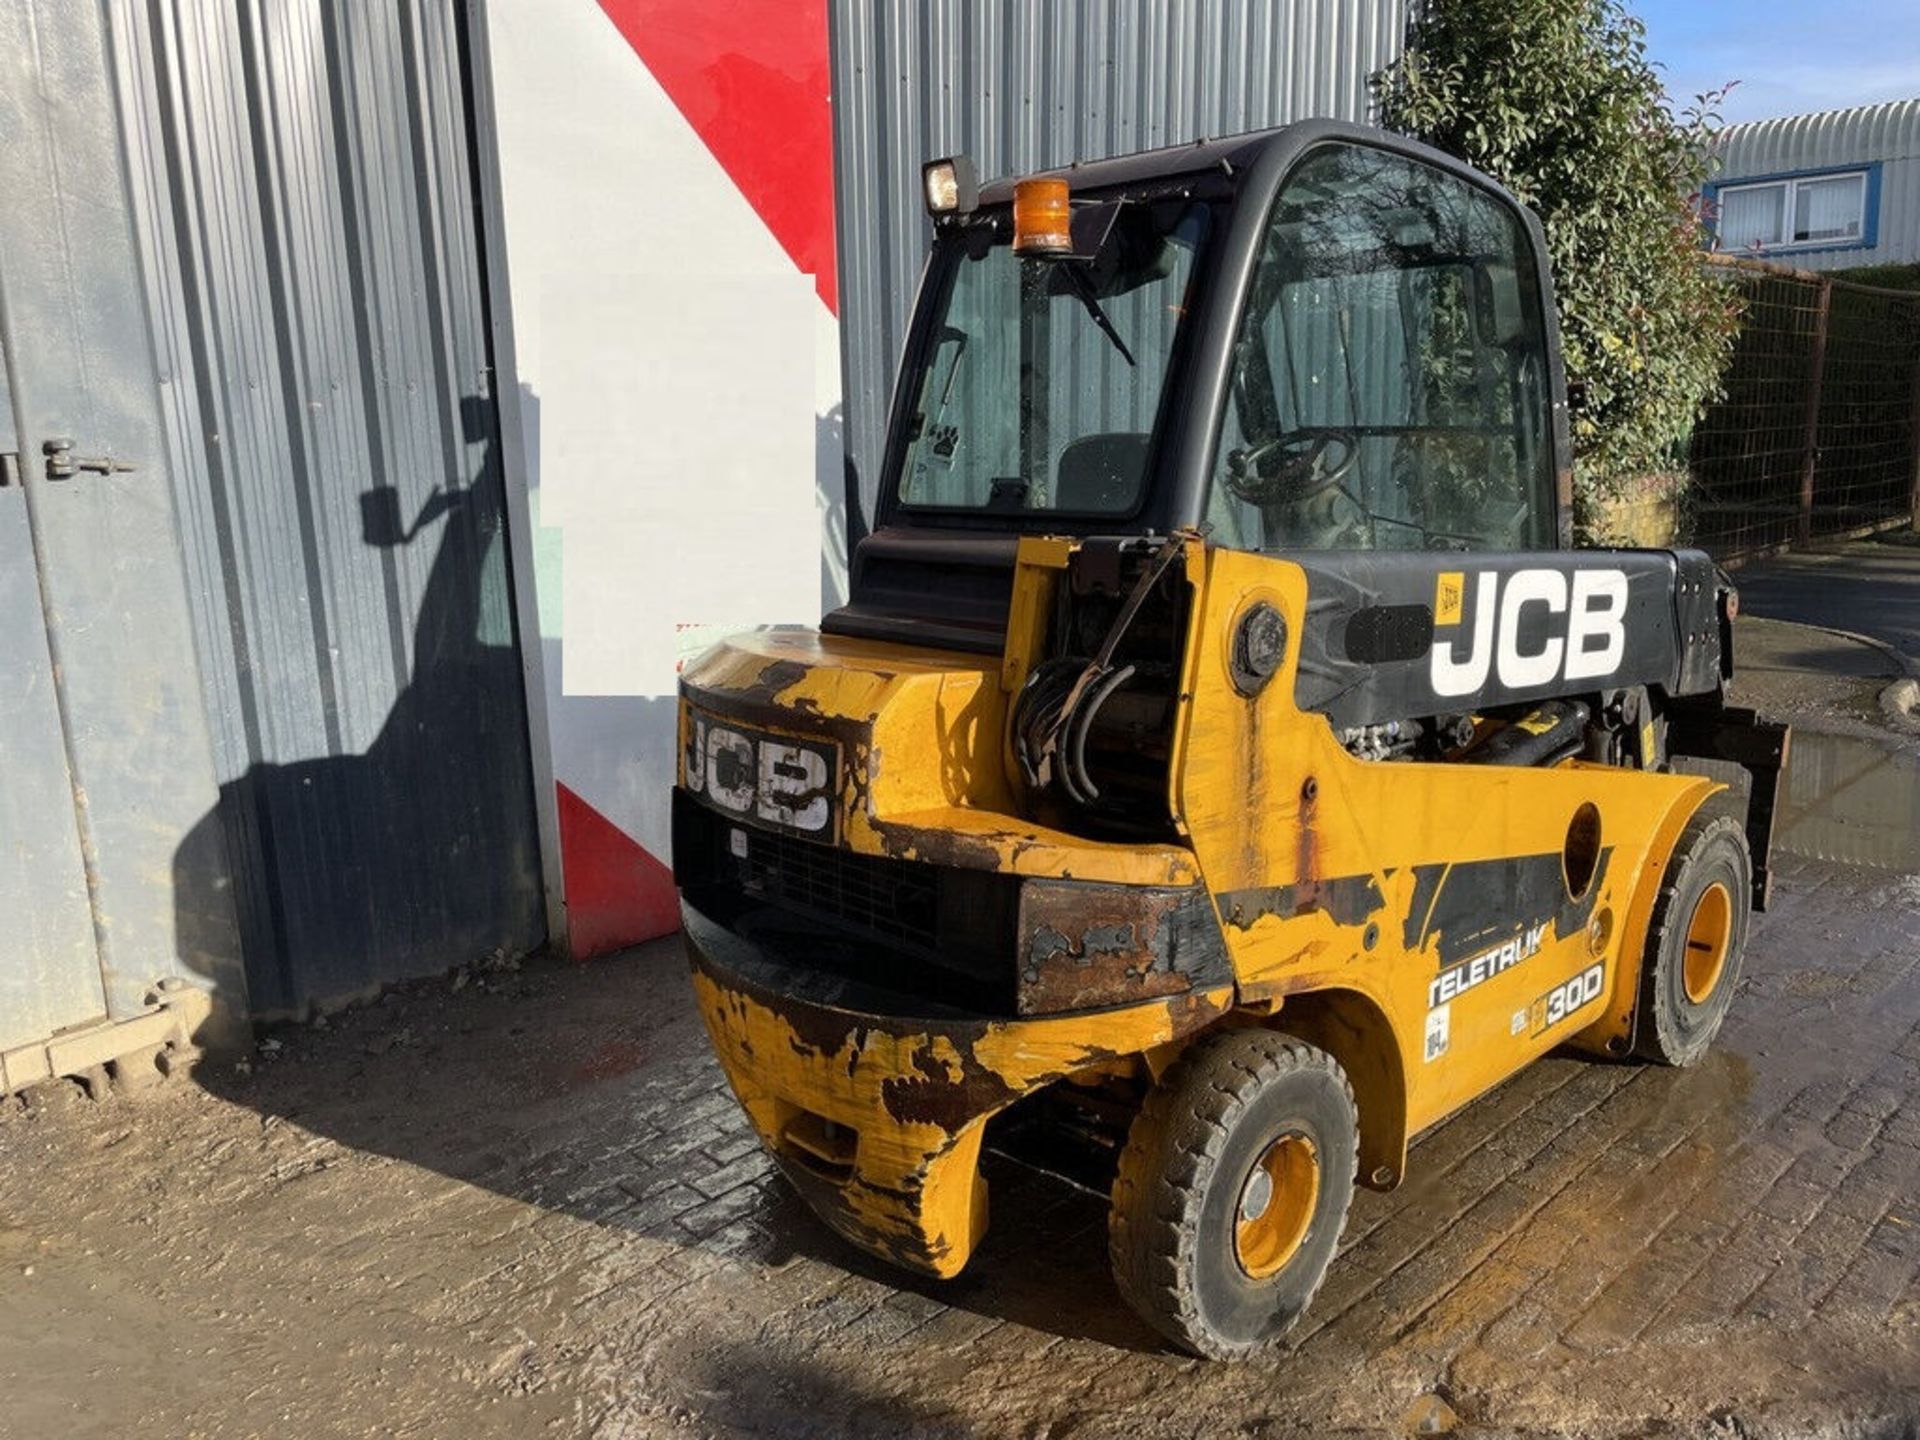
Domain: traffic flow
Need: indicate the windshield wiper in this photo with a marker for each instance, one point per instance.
(1077, 277)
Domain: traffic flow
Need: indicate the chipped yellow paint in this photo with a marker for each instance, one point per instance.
(1270, 802)
(920, 735)
(1018, 848)
(916, 1095)
(1359, 818)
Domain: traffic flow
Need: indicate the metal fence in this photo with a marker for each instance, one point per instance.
(1818, 433)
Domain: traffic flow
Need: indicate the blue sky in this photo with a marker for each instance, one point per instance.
(1789, 58)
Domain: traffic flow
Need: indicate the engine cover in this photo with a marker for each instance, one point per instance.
(1389, 635)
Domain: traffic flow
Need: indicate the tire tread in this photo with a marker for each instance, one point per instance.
(1153, 1222)
(1656, 1039)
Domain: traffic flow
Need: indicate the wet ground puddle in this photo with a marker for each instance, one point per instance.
(1851, 799)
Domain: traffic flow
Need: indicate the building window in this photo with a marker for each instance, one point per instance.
(1805, 210)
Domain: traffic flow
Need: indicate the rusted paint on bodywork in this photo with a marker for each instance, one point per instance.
(916, 1092)
(1349, 899)
(1088, 945)
(1339, 890)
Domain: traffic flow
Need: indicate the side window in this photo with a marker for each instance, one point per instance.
(1389, 383)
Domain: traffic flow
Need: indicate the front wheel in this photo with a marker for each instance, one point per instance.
(1232, 1191)
(1695, 942)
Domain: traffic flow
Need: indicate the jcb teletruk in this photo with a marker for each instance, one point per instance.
(1224, 768)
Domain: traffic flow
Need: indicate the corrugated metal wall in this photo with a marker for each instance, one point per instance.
(105, 753)
(1024, 84)
(1888, 133)
(304, 201)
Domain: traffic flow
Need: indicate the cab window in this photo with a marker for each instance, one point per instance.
(1042, 387)
(1389, 384)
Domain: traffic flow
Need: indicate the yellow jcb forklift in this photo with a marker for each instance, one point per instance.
(1224, 768)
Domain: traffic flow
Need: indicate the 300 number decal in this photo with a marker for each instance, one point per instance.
(1567, 997)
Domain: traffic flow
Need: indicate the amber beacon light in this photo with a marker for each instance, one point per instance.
(1042, 223)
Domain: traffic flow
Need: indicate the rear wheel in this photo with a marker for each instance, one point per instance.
(1232, 1191)
(1695, 942)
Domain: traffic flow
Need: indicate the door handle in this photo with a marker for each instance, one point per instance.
(63, 464)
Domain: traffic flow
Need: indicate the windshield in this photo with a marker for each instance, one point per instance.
(1041, 388)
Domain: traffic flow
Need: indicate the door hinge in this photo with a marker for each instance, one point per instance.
(63, 464)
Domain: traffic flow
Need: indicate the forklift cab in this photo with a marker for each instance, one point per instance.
(1323, 338)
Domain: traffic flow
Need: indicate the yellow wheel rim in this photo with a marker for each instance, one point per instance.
(1276, 1206)
(1708, 935)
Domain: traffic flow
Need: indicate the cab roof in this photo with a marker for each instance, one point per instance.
(1238, 152)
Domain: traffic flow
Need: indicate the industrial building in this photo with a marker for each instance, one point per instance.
(1834, 191)
(394, 395)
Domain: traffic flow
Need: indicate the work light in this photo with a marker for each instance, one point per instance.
(952, 186)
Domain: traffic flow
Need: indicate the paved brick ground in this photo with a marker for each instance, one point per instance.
(530, 1207)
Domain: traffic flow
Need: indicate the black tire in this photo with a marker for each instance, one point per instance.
(1685, 991)
(1177, 1228)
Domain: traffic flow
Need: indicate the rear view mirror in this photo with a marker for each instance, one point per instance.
(1503, 304)
(1090, 227)
(380, 522)
(1118, 249)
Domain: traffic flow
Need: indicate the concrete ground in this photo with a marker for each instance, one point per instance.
(1820, 679)
(1869, 586)
(528, 1206)
(1828, 641)
(523, 1203)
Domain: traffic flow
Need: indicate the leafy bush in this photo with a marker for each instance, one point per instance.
(1557, 100)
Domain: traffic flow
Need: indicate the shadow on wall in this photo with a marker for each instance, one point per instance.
(347, 871)
(586, 1091)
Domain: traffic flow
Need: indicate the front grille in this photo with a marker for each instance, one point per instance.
(881, 898)
(927, 930)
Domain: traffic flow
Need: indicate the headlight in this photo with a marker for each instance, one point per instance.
(951, 185)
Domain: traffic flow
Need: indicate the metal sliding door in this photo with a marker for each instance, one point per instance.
(304, 194)
(52, 981)
(262, 724)
(110, 765)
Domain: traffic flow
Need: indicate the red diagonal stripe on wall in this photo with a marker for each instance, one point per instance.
(751, 77)
(617, 894)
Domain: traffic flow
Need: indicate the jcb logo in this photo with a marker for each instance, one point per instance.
(1585, 628)
(784, 782)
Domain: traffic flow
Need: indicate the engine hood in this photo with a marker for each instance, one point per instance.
(880, 748)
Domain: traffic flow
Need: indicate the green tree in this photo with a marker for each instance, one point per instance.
(1557, 100)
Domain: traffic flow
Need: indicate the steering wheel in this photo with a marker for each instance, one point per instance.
(1292, 467)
